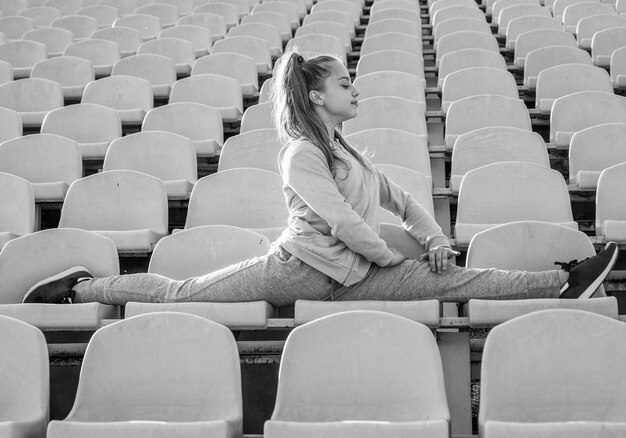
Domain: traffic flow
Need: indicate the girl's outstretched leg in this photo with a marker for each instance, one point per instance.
(278, 278)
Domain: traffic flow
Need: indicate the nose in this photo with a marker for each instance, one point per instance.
(355, 92)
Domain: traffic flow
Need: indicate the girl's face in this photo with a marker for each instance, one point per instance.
(337, 101)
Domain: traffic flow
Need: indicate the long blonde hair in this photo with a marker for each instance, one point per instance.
(293, 112)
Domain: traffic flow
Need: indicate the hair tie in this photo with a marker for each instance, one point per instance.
(299, 59)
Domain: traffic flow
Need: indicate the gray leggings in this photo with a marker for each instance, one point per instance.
(280, 279)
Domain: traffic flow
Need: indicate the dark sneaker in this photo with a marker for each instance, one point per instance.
(587, 276)
(58, 288)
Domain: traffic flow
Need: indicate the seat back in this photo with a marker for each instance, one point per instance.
(99, 52)
(84, 122)
(125, 7)
(201, 250)
(282, 7)
(233, 65)
(243, 197)
(459, 24)
(577, 111)
(495, 9)
(166, 13)
(394, 382)
(564, 79)
(493, 145)
(519, 25)
(536, 39)
(194, 360)
(433, 7)
(200, 123)
(551, 56)
(199, 37)
(257, 116)
(524, 380)
(82, 26)
(42, 158)
(279, 21)
(25, 387)
(13, 7)
(467, 12)
(185, 7)
(391, 60)
(575, 12)
(511, 12)
(391, 83)
(148, 25)
(258, 148)
(6, 72)
(127, 38)
(392, 146)
(214, 23)
(477, 81)
(594, 149)
(588, 26)
(319, 43)
(162, 154)
(511, 191)
(384, 5)
(267, 32)
(468, 58)
(178, 50)
(227, 11)
(302, 6)
(17, 209)
(67, 7)
(117, 200)
(618, 67)
(54, 38)
(481, 111)
(69, 71)
(388, 112)
(604, 42)
(349, 8)
(23, 53)
(209, 89)
(57, 249)
(13, 27)
(105, 15)
(333, 16)
(157, 69)
(559, 6)
(610, 205)
(120, 92)
(255, 48)
(377, 14)
(331, 28)
(392, 41)
(528, 246)
(468, 39)
(10, 124)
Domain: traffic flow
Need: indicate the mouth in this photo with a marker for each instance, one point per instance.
(355, 103)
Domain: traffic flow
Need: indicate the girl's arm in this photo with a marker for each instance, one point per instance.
(304, 169)
(415, 218)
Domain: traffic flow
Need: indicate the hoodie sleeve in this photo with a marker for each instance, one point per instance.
(415, 218)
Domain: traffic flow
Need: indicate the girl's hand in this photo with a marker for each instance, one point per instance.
(397, 258)
(438, 258)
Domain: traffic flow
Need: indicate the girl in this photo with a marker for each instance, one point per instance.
(330, 249)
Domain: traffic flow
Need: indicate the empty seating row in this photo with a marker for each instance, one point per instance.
(303, 385)
(525, 245)
(130, 96)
